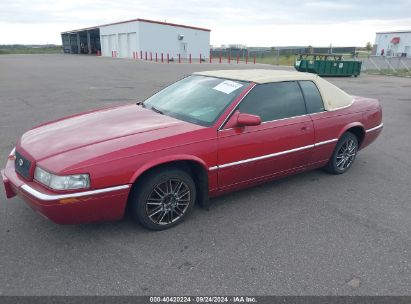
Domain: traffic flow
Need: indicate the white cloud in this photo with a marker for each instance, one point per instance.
(329, 5)
(258, 22)
(337, 34)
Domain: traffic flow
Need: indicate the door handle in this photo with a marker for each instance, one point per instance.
(305, 128)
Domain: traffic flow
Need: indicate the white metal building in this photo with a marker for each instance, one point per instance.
(394, 44)
(130, 39)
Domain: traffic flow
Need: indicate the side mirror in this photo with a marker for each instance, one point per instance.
(245, 119)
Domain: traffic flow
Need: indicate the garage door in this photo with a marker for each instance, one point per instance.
(105, 47)
(132, 44)
(123, 50)
(112, 44)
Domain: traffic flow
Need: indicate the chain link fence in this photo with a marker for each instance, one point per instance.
(278, 51)
(275, 55)
(400, 66)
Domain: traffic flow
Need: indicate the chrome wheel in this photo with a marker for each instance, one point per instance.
(346, 154)
(168, 201)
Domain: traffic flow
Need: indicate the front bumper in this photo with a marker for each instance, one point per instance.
(67, 208)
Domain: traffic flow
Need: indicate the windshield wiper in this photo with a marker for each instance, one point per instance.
(157, 110)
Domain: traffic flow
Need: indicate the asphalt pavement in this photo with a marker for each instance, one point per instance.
(309, 234)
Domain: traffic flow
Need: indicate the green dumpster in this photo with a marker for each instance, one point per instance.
(327, 65)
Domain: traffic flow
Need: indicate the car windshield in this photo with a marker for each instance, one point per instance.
(196, 99)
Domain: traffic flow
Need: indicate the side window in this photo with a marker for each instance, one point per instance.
(312, 97)
(273, 101)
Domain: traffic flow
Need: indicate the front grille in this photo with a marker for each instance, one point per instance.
(22, 165)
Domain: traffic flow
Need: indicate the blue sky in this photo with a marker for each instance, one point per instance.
(251, 22)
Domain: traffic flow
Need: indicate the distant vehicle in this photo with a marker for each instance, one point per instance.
(205, 135)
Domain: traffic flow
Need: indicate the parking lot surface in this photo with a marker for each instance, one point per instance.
(309, 234)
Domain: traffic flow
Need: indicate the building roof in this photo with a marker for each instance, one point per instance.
(333, 97)
(394, 32)
(258, 76)
(159, 22)
(81, 30)
(141, 20)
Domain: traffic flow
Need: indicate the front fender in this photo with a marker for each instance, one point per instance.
(164, 160)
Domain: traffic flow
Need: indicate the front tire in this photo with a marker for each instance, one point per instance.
(344, 154)
(163, 198)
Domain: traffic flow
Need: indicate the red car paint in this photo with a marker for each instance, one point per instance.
(116, 145)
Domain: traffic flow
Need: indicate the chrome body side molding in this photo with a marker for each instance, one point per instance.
(55, 197)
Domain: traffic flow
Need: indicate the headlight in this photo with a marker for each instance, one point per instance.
(66, 182)
(12, 154)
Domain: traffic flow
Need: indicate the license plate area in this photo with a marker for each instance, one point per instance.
(22, 165)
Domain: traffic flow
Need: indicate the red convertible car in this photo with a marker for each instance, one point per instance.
(207, 134)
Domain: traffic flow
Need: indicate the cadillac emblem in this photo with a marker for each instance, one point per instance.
(21, 162)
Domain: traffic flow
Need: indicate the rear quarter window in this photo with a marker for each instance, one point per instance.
(312, 96)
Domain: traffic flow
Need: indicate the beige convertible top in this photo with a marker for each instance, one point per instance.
(334, 98)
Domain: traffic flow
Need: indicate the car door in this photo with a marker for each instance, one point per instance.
(327, 125)
(282, 143)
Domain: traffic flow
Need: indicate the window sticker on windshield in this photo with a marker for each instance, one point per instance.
(227, 86)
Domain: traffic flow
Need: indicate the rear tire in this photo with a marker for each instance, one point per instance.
(344, 154)
(163, 198)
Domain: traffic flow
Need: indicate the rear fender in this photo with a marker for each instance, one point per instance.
(349, 126)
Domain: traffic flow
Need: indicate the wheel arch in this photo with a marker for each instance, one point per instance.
(192, 164)
(357, 129)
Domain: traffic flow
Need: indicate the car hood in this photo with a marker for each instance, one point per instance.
(96, 127)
